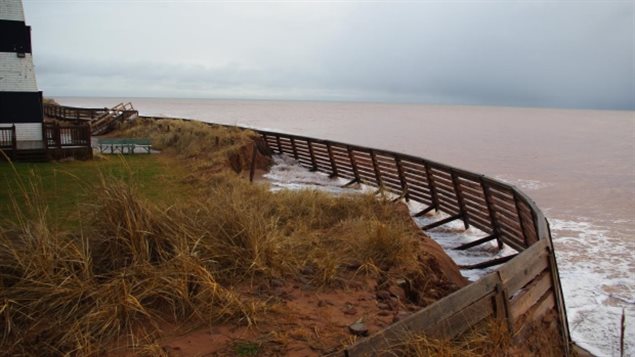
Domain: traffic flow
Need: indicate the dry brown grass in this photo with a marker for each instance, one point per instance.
(207, 148)
(489, 338)
(132, 266)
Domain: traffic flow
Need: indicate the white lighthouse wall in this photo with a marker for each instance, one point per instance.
(11, 10)
(17, 74)
(26, 131)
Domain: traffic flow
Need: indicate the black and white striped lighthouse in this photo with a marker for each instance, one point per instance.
(20, 100)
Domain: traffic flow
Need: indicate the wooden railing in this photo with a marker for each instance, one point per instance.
(8, 138)
(523, 289)
(73, 113)
(101, 120)
(56, 136)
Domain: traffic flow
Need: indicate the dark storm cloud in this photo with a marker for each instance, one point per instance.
(567, 54)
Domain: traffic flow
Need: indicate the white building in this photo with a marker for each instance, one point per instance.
(20, 100)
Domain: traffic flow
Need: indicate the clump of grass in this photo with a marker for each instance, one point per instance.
(133, 264)
(489, 338)
(130, 267)
(209, 147)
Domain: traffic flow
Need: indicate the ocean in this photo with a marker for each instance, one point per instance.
(578, 165)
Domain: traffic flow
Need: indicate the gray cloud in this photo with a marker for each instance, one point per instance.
(563, 54)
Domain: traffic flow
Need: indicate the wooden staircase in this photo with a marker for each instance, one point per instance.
(108, 121)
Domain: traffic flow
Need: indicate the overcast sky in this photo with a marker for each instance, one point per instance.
(577, 54)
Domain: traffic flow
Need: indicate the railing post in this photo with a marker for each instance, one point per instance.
(333, 164)
(402, 178)
(351, 157)
(279, 144)
(14, 137)
(313, 164)
(433, 190)
(252, 165)
(58, 136)
(559, 296)
(492, 216)
(459, 198)
(520, 219)
(295, 151)
(376, 169)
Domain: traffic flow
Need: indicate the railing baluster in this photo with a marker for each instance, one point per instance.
(492, 214)
(459, 198)
(402, 178)
(332, 161)
(351, 157)
(293, 148)
(431, 185)
(376, 169)
(313, 164)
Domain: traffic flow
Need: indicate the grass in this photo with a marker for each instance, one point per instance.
(489, 338)
(67, 185)
(97, 256)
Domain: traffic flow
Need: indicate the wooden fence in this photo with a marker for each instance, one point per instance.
(73, 113)
(56, 136)
(525, 286)
(8, 138)
(523, 289)
(101, 120)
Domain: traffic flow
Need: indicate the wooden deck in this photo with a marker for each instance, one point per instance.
(59, 142)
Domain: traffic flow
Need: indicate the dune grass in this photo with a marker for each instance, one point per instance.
(67, 185)
(490, 338)
(97, 256)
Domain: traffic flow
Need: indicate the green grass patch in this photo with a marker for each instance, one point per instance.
(67, 186)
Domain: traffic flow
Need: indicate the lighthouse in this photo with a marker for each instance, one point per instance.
(20, 99)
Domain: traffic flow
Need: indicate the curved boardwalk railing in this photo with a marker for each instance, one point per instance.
(522, 290)
(525, 288)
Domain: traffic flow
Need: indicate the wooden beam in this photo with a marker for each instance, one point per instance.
(252, 166)
(433, 190)
(426, 320)
(459, 198)
(441, 222)
(424, 211)
(376, 169)
(492, 216)
(313, 164)
(333, 164)
(279, 144)
(476, 242)
(488, 263)
(295, 150)
(520, 219)
(353, 181)
(402, 178)
(351, 157)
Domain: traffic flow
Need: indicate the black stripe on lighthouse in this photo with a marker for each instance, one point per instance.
(15, 36)
(21, 107)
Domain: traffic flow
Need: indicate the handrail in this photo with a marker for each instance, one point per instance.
(522, 289)
(57, 136)
(100, 119)
(8, 137)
